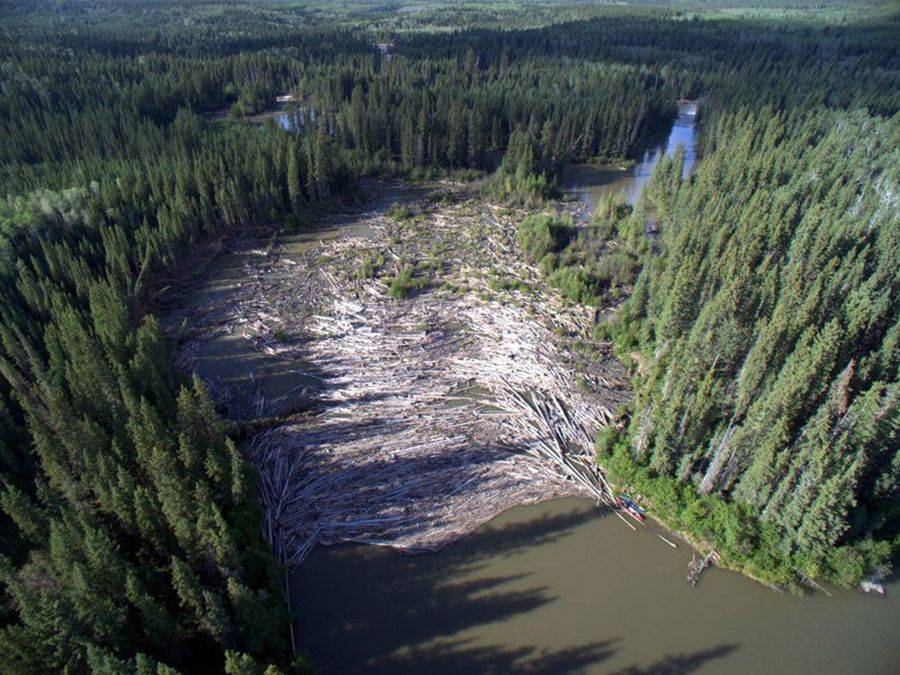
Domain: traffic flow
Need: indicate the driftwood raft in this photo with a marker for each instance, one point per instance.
(432, 414)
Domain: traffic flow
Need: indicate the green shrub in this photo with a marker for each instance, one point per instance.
(406, 281)
(754, 546)
(498, 283)
(400, 212)
(366, 269)
(541, 234)
(615, 269)
(575, 284)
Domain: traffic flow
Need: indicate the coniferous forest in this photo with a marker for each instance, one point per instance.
(761, 327)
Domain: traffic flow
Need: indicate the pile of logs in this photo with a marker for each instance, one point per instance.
(434, 413)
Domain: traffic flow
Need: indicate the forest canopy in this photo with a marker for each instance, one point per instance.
(764, 317)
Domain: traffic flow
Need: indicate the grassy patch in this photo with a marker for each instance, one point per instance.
(366, 269)
(405, 281)
(400, 213)
(542, 234)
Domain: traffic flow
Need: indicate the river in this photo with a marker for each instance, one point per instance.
(591, 184)
(557, 588)
(554, 588)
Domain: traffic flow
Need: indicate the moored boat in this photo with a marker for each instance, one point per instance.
(632, 504)
(630, 509)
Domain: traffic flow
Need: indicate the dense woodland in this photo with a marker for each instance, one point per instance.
(763, 324)
(765, 319)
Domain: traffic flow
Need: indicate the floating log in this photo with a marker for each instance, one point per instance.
(427, 416)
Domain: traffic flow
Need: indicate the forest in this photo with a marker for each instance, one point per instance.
(761, 327)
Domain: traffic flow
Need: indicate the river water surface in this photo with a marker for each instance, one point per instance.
(559, 588)
(591, 184)
(555, 588)
(552, 588)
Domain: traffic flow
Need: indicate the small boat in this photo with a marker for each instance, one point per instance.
(637, 515)
(630, 509)
(632, 504)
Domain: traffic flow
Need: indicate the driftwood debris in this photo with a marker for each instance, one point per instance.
(431, 414)
(698, 565)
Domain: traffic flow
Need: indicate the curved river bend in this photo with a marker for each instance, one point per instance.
(555, 589)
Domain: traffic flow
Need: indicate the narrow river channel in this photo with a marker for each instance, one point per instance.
(556, 588)
(591, 184)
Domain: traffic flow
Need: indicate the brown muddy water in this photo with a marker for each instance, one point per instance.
(558, 588)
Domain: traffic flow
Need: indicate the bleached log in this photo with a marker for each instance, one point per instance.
(435, 413)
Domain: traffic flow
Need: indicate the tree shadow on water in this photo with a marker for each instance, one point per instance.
(365, 609)
(452, 658)
(676, 664)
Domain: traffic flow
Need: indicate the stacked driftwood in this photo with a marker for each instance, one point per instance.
(435, 412)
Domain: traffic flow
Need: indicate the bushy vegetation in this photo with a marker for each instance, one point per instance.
(750, 545)
(576, 260)
(407, 280)
(765, 313)
(400, 212)
(131, 528)
(542, 234)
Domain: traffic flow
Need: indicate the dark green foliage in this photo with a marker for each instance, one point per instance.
(766, 313)
(525, 176)
(138, 546)
(577, 260)
(771, 328)
(406, 280)
(540, 235)
(575, 284)
(400, 212)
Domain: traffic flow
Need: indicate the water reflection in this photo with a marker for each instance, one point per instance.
(591, 184)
